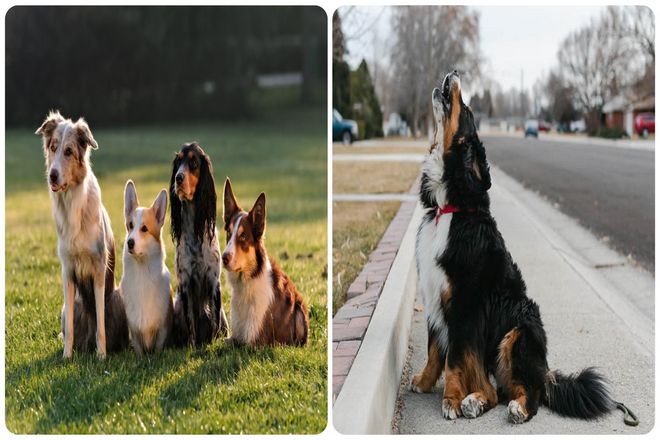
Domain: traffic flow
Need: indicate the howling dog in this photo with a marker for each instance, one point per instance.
(480, 319)
(93, 313)
(266, 307)
(145, 284)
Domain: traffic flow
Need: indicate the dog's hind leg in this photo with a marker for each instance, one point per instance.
(427, 378)
(68, 314)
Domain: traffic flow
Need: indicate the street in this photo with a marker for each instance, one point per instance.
(608, 190)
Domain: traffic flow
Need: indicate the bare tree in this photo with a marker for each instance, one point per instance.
(429, 41)
(593, 61)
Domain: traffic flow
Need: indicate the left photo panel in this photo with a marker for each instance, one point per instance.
(166, 220)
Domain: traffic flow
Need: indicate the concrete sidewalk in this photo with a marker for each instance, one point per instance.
(591, 319)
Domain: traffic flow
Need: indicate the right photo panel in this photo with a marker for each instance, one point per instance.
(493, 227)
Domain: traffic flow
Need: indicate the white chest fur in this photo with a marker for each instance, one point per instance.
(145, 288)
(431, 243)
(250, 300)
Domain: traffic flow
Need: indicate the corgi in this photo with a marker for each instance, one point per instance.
(145, 284)
(266, 307)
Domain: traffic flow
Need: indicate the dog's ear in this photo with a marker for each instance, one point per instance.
(175, 203)
(230, 203)
(258, 216)
(205, 199)
(85, 138)
(160, 207)
(50, 124)
(130, 199)
(477, 171)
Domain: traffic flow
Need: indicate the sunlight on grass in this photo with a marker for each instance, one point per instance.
(213, 390)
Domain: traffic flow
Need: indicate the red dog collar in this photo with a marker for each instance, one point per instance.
(447, 209)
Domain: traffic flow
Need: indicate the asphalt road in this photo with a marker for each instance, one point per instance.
(609, 190)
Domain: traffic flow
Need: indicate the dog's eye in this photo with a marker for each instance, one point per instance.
(144, 228)
(68, 151)
(243, 237)
(193, 164)
(53, 146)
(130, 226)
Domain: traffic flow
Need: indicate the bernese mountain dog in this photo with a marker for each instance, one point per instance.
(480, 320)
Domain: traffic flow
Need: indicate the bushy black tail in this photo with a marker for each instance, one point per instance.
(583, 395)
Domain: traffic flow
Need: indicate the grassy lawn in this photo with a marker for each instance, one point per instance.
(356, 230)
(373, 177)
(214, 390)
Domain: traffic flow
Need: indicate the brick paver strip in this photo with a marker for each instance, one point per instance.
(352, 320)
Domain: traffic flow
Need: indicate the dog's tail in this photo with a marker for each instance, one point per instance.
(582, 395)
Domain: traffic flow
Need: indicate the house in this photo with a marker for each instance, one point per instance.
(620, 111)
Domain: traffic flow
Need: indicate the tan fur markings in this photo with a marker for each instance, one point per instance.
(468, 377)
(426, 380)
(445, 296)
(451, 124)
(149, 220)
(504, 362)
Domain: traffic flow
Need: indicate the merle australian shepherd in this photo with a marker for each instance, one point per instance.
(93, 313)
(198, 311)
(480, 320)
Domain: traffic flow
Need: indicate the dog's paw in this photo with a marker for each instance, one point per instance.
(419, 386)
(517, 413)
(67, 354)
(472, 406)
(451, 409)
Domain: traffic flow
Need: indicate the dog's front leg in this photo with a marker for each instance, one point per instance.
(69, 306)
(99, 299)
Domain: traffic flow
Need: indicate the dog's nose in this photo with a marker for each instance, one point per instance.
(53, 176)
(131, 244)
(179, 178)
(226, 258)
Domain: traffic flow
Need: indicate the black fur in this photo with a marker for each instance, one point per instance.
(198, 314)
(205, 198)
(489, 296)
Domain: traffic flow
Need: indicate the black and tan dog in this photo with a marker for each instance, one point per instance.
(480, 320)
(199, 315)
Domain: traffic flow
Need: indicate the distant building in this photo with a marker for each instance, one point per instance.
(620, 111)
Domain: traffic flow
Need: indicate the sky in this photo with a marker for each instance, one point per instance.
(513, 38)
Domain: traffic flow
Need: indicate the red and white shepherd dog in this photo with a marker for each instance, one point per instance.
(93, 313)
(266, 307)
(480, 320)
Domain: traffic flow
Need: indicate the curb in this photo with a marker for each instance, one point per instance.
(372, 385)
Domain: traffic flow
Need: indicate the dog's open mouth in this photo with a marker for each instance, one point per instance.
(57, 188)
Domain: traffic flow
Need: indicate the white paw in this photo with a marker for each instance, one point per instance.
(472, 407)
(416, 389)
(516, 412)
(448, 411)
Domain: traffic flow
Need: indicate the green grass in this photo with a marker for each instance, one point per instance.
(213, 390)
(354, 237)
